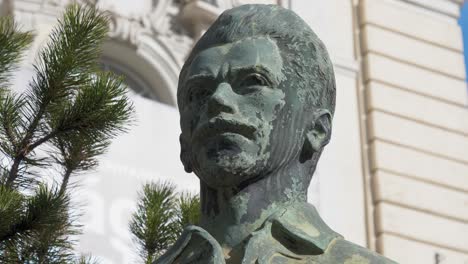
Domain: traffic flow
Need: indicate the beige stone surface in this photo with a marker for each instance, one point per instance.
(413, 51)
(422, 166)
(417, 135)
(384, 12)
(416, 112)
(346, 201)
(422, 226)
(332, 21)
(414, 106)
(420, 195)
(411, 252)
(449, 8)
(438, 86)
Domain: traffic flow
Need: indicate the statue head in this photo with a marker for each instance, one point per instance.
(256, 96)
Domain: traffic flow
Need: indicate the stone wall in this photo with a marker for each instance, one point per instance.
(417, 136)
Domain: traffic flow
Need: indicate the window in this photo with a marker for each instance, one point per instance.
(136, 84)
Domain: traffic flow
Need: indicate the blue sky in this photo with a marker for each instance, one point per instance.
(464, 25)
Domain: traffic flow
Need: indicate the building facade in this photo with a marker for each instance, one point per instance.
(395, 175)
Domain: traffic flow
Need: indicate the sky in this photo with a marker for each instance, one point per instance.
(464, 24)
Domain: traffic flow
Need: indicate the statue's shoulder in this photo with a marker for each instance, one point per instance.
(343, 251)
(301, 223)
(301, 220)
(295, 234)
(194, 246)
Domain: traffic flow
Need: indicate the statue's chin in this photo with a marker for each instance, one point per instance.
(227, 169)
(227, 160)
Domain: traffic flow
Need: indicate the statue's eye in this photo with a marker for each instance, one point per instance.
(197, 94)
(254, 79)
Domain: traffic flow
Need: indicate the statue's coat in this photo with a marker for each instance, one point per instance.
(295, 234)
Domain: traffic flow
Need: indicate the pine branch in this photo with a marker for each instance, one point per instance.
(161, 217)
(42, 209)
(74, 108)
(12, 43)
(11, 122)
(100, 109)
(86, 260)
(41, 234)
(78, 153)
(153, 224)
(65, 180)
(11, 204)
(188, 210)
(66, 64)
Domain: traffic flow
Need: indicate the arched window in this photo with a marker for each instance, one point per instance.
(136, 84)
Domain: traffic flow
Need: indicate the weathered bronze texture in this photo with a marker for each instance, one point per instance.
(256, 98)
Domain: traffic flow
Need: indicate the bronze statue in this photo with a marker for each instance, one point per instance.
(256, 98)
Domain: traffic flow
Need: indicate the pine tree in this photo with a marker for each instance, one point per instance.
(160, 218)
(64, 120)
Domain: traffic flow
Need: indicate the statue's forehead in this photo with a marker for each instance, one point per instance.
(245, 53)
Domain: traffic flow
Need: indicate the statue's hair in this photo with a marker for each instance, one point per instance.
(306, 63)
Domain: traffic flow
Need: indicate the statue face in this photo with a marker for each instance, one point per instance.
(230, 101)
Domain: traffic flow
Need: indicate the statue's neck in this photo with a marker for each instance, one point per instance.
(230, 215)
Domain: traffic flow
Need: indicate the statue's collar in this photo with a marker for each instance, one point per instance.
(292, 231)
(301, 223)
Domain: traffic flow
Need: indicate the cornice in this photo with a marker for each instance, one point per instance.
(459, 2)
(449, 8)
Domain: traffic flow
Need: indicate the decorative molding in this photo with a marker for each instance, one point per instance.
(155, 33)
(167, 30)
(197, 16)
(161, 20)
(176, 23)
(459, 2)
(449, 8)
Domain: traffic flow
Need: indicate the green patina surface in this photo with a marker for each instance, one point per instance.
(296, 234)
(256, 98)
(357, 259)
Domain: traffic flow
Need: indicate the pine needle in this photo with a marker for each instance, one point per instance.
(12, 44)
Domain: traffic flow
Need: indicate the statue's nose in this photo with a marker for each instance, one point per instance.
(222, 100)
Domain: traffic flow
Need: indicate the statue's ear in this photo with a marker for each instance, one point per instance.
(185, 154)
(317, 135)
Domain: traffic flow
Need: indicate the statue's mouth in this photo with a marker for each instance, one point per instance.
(218, 126)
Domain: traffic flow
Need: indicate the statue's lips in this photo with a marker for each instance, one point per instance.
(217, 126)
